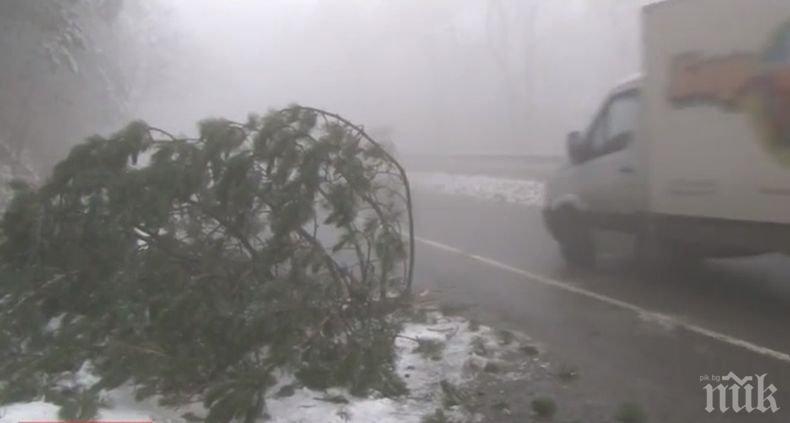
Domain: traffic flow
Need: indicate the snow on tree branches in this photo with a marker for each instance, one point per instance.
(195, 268)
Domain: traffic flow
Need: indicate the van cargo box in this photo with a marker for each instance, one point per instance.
(717, 109)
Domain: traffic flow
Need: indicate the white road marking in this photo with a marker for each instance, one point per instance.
(768, 352)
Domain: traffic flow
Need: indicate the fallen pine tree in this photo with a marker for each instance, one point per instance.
(195, 268)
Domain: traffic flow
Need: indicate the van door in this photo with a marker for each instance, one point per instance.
(612, 178)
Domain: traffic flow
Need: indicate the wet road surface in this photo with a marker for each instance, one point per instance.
(634, 337)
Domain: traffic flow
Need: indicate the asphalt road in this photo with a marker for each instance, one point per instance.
(636, 337)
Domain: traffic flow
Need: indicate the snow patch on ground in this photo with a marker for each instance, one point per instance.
(423, 374)
(31, 411)
(515, 191)
(54, 323)
(122, 406)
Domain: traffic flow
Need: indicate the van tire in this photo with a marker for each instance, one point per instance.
(575, 238)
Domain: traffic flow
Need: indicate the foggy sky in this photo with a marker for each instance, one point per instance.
(445, 76)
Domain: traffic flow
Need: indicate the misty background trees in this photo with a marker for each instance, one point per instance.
(72, 68)
(460, 76)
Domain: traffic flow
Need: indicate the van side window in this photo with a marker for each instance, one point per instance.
(622, 122)
(596, 137)
(615, 126)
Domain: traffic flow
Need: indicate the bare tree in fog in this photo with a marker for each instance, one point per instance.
(72, 67)
(511, 41)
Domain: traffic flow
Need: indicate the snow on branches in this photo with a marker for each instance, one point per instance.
(196, 267)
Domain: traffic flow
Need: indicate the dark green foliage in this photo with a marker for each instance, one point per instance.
(78, 406)
(502, 407)
(479, 346)
(437, 416)
(568, 374)
(630, 413)
(452, 395)
(530, 350)
(197, 267)
(430, 348)
(492, 367)
(506, 337)
(544, 407)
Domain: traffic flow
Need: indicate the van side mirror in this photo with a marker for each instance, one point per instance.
(577, 150)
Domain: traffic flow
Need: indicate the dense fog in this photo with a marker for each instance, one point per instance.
(525, 231)
(463, 76)
(467, 76)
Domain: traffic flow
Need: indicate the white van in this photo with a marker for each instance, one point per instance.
(693, 156)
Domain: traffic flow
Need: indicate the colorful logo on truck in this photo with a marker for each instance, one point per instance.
(758, 84)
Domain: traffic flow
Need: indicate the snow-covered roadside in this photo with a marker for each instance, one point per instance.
(455, 358)
(515, 191)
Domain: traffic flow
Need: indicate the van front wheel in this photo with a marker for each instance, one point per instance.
(575, 239)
